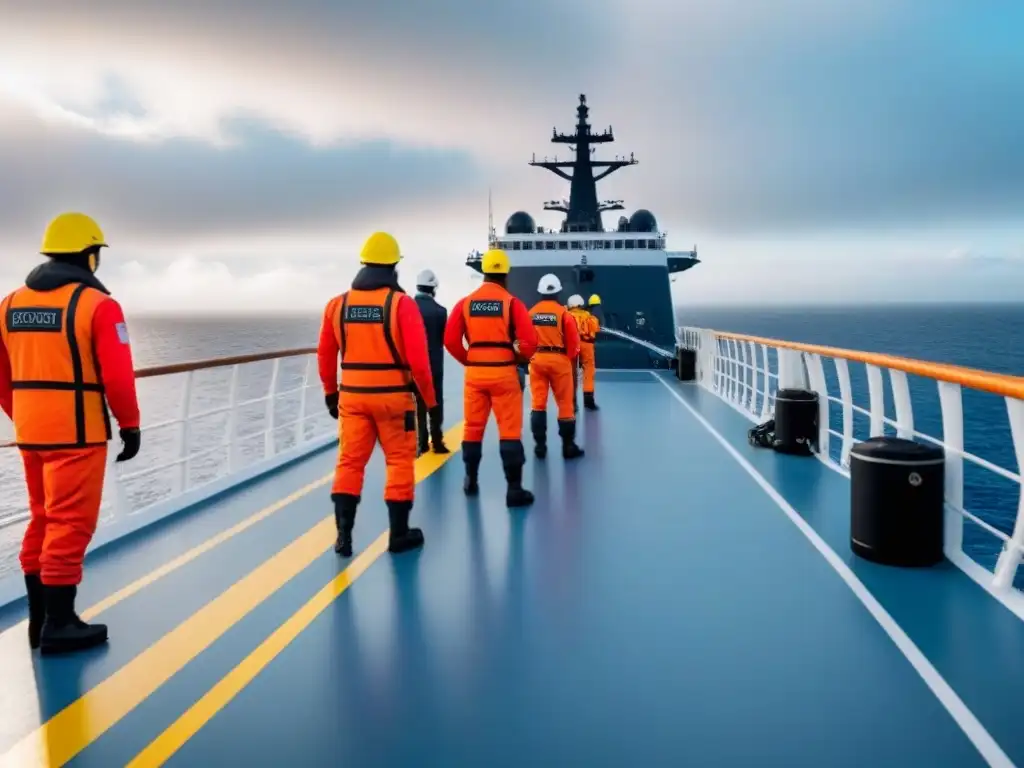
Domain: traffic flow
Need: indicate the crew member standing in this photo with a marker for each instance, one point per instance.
(379, 333)
(588, 327)
(64, 358)
(558, 349)
(500, 335)
(435, 317)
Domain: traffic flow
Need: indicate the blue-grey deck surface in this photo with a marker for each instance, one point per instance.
(654, 607)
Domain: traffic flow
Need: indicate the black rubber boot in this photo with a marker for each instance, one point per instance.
(402, 537)
(472, 453)
(63, 631)
(539, 427)
(567, 431)
(437, 439)
(588, 402)
(513, 457)
(36, 607)
(345, 506)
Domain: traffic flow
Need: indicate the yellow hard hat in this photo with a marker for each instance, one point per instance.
(595, 299)
(380, 248)
(495, 262)
(71, 233)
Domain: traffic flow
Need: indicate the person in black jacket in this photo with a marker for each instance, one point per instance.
(435, 317)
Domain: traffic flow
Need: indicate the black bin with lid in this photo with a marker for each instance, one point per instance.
(686, 364)
(796, 421)
(897, 488)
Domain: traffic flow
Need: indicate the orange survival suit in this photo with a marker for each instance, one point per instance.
(588, 326)
(64, 357)
(558, 348)
(379, 332)
(492, 320)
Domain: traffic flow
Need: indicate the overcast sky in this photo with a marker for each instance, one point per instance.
(237, 153)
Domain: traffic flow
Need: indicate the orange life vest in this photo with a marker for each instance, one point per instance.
(58, 397)
(548, 318)
(587, 323)
(487, 312)
(367, 331)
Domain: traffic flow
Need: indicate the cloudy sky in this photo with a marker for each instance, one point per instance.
(237, 153)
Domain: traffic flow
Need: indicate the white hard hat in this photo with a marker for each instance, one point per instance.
(427, 278)
(575, 300)
(549, 284)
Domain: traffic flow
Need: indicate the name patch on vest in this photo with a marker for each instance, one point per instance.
(546, 318)
(357, 313)
(485, 308)
(46, 319)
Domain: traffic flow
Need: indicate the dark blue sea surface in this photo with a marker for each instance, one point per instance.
(987, 337)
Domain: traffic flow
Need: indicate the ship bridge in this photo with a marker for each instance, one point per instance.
(676, 597)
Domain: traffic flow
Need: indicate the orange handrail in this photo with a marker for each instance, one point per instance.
(212, 362)
(996, 383)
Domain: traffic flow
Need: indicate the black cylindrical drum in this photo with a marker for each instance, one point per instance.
(897, 489)
(686, 364)
(796, 421)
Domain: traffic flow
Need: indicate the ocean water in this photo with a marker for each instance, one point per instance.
(986, 337)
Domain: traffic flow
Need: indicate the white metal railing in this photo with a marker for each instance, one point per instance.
(747, 371)
(213, 419)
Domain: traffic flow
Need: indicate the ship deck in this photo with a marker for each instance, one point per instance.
(676, 597)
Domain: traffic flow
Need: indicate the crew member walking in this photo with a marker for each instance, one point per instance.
(500, 335)
(558, 349)
(588, 327)
(435, 317)
(64, 358)
(379, 333)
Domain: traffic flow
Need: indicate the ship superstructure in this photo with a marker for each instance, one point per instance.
(629, 267)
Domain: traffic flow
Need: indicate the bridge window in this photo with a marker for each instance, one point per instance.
(549, 245)
(516, 245)
(575, 245)
(598, 245)
(641, 244)
(527, 245)
(652, 244)
(618, 243)
(563, 245)
(630, 244)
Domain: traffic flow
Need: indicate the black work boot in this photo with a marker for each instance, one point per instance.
(402, 537)
(472, 453)
(588, 402)
(513, 457)
(63, 631)
(345, 505)
(437, 439)
(539, 427)
(567, 431)
(36, 608)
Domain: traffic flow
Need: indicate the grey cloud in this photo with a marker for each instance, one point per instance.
(182, 190)
(863, 114)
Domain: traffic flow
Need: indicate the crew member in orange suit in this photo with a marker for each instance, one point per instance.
(588, 327)
(379, 333)
(500, 335)
(558, 349)
(64, 358)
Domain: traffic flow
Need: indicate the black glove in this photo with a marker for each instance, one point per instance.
(332, 404)
(132, 441)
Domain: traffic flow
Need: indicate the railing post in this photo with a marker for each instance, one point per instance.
(876, 397)
(902, 403)
(951, 401)
(232, 426)
(268, 442)
(300, 425)
(183, 431)
(818, 383)
(766, 409)
(846, 396)
(1009, 559)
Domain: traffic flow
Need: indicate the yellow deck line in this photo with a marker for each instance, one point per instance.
(83, 721)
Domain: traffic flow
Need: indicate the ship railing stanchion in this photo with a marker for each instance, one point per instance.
(232, 421)
(1009, 559)
(846, 403)
(300, 423)
(268, 436)
(951, 402)
(183, 432)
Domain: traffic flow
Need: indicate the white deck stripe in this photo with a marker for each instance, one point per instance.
(969, 724)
